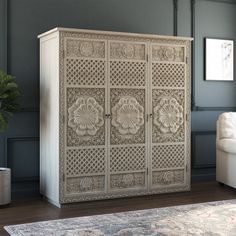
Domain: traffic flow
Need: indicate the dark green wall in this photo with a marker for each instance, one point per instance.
(216, 19)
(25, 19)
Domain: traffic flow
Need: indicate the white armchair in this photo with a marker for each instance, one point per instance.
(226, 149)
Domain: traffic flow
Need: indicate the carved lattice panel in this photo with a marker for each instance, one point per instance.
(168, 108)
(168, 156)
(127, 116)
(85, 170)
(85, 184)
(125, 73)
(85, 116)
(167, 177)
(85, 72)
(168, 53)
(168, 75)
(85, 161)
(127, 159)
(127, 180)
(128, 65)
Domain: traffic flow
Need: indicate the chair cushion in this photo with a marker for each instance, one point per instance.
(227, 145)
(227, 125)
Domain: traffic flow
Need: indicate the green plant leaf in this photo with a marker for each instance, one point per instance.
(3, 123)
(9, 94)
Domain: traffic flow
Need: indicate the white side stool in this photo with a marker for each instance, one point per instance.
(5, 186)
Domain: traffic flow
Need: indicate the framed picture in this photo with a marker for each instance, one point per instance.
(219, 59)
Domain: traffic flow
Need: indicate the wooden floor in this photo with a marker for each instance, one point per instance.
(25, 211)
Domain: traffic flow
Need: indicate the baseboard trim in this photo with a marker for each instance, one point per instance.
(203, 177)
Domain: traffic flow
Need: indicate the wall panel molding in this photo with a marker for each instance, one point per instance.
(6, 33)
(221, 1)
(193, 2)
(197, 108)
(194, 135)
(28, 109)
(3, 33)
(9, 140)
(193, 34)
(175, 23)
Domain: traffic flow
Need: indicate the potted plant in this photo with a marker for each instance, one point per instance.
(9, 94)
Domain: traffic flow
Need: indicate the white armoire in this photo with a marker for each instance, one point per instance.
(114, 114)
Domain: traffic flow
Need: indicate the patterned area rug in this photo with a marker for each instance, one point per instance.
(207, 219)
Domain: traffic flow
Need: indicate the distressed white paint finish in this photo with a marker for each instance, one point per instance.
(103, 135)
(49, 117)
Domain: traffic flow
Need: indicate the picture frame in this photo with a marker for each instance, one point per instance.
(219, 59)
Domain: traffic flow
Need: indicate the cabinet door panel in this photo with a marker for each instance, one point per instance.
(168, 108)
(127, 139)
(86, 102)
(128, 104)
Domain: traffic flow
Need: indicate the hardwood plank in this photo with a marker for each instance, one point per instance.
(32, 210)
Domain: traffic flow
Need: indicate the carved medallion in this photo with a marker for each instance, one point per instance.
(128, 51)
(86, 48)
(85, 184)
(168, 115)
(168, 177)
(127, 110)
(80, 130)
(130, 180)
(120, 50)
(168, 53)
(127, 116)
(85, 116)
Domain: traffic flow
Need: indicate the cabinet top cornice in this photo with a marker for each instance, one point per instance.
(74, 30)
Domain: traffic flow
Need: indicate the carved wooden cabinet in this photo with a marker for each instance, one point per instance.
(114, 114)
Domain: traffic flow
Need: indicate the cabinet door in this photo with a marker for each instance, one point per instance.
(127, 129)
(85, 124)
(168, 110)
